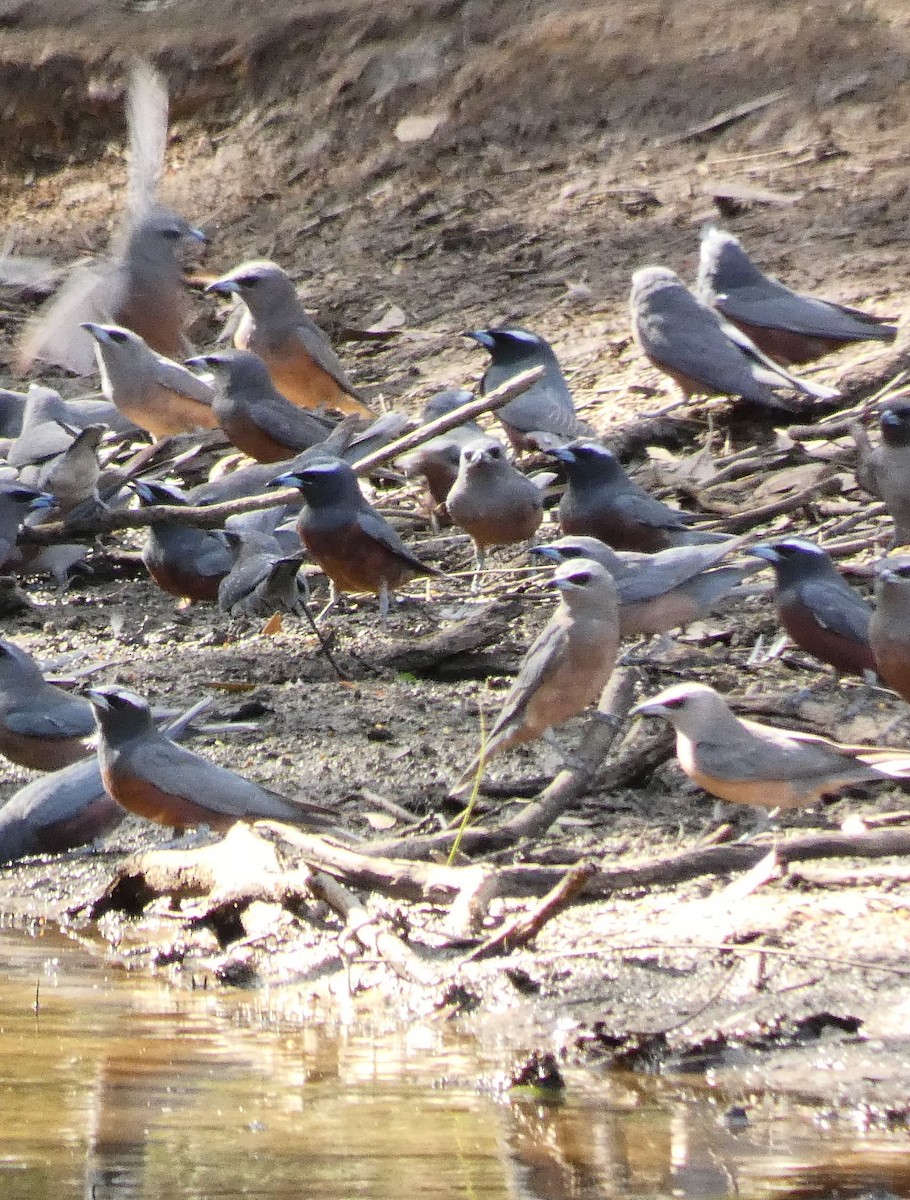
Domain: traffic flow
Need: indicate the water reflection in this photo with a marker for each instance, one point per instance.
(121, 1089)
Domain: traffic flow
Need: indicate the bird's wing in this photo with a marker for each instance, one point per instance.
(776, 307)
(178, 379)
(294, 427)
(379, 529)
(839, 609)
(652, 575)
(547, 652)
(761, 753)
(90, 293)
(638, 505)
(320, 349)
(69, 718)
(767, 371)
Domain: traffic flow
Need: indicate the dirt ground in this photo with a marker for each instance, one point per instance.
(470, 164)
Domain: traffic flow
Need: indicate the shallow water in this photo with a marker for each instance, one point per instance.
(115, 1086)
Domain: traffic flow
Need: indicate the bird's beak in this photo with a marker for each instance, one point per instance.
(42, 500)
(647, 709)
(547, 552)
(224, 287)
(288, 479)
(561, 453)
(197, 235)
(481, 336)
(768, 553)
(98, 332)
(98, 699)
(201, 361)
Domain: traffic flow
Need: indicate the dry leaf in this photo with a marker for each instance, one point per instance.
(379, 821)
(393, 318)
(418, 129)
(272, 625)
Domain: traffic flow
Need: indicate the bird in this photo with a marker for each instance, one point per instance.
(788, 327)
(150, 775)
(157, 394)
(71, 477)
(492, 500)
(355, 546)
(140, 285)
(58, 811)
(544, 415)
(262, 580)
(889, 628)
(16, 501)
(704, 354)
(253, 413)
(601, 501)
(437, 460)
(48, 423)
(184, 560)
(299, 356)
(744, 762)
(348, 440)
(41, 726)
(70, 807)
(658, 592)
(566, 668)
(817, 607)
(884, 470)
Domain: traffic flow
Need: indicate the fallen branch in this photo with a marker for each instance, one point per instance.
(432, 883)
(729, 116)
(709, 860)
(747, 520)
(524, 928)
(368, 933)
(484, 627)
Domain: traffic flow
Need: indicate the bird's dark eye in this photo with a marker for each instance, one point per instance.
(581, 578)
(118, 336)
(677, 703)
(495, 452)
(903, 571)
(248, 281)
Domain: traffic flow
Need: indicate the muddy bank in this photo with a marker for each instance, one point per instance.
(533, 210)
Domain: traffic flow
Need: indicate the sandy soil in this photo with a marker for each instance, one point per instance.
(563, 158)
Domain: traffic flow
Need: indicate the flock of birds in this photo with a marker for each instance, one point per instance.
(626, 563)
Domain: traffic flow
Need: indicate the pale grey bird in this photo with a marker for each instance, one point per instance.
(140, 285)
(658, 592)
(158, 395)
(567, 667)
(301, 361)
(492, 500)
(744, 762)
(704, 354)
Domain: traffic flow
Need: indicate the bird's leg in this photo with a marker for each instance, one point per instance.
(765, 821)
(383, 602)
(333, 600)
(480, 558)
